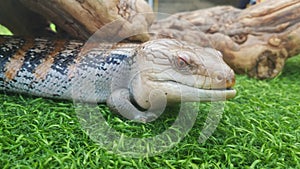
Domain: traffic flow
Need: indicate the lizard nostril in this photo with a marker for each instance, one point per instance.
(225, 80)
(219, 77)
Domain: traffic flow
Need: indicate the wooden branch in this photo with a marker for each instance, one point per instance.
(82, 18)
(256, 41)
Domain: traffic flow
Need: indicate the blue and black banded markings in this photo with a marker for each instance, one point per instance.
(34, 56)
(8, 47)
(67, 57)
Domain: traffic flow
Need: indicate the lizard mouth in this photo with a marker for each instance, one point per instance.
(211, 94)
(193, 94)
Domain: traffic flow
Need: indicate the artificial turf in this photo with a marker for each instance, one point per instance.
(259, 128)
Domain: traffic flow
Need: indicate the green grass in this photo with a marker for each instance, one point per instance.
(259, 129)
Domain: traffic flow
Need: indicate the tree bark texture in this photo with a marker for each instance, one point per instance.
(256, 40)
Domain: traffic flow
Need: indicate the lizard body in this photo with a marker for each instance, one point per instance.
(123, 76)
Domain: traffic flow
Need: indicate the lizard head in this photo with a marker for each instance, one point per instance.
(182, 72)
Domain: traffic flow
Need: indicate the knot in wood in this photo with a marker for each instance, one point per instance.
(241, 38)
(274, 41)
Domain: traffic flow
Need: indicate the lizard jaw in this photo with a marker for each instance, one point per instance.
(185, 93)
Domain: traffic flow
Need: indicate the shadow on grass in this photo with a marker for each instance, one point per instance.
(291, 68)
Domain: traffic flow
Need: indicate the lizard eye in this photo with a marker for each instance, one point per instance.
(182, 62)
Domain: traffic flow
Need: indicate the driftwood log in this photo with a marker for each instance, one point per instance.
(256, 41)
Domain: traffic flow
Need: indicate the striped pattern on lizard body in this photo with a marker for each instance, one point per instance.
(44, 68)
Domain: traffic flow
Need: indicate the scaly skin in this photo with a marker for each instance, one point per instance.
(124, 76)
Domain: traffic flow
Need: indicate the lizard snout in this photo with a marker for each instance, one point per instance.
(224, 80)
